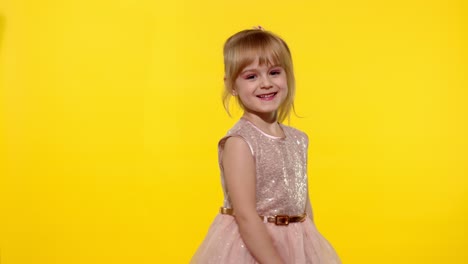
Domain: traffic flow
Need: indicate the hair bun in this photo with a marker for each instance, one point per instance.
(259, 28)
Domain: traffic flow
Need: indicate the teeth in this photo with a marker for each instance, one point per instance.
(266, 95)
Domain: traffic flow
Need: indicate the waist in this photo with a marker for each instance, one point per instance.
(282, 220)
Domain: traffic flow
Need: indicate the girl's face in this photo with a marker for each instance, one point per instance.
(261, 88)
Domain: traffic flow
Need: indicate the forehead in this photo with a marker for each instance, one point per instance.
(258, 58)
(257, 63)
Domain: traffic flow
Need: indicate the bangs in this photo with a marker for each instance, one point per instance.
(268, 51)
(265, 57)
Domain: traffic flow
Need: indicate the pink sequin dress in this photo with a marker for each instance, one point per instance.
(281, 188)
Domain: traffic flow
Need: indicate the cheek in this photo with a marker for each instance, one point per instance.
(284, 85)
(283, 82)
(239, 85)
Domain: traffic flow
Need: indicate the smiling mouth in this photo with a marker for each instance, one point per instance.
(269, 96)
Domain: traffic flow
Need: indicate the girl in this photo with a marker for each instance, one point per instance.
(267, 215)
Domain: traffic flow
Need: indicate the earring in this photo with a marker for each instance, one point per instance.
(234, 93)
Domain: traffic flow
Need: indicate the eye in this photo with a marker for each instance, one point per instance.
(250, 76)
(275, 72)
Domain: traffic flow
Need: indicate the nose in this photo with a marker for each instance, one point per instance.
(266, 83)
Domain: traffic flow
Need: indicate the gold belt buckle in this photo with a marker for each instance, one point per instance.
(282, 220)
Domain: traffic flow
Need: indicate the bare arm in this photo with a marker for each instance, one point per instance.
(239, 172)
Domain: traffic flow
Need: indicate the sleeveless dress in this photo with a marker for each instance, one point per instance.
(281, 189)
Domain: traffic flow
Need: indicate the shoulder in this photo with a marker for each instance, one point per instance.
(238, 137)
(299, 134)
(236, 145)
(242, 127)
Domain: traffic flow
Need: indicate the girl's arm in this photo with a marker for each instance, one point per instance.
(239, 172)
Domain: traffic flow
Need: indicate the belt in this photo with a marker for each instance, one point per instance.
(282, 220)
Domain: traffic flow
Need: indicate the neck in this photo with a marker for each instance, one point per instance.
(268, 118)
(267, 123)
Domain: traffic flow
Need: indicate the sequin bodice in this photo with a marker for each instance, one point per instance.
(281, 168)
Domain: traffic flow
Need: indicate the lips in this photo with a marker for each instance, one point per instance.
(267, 97)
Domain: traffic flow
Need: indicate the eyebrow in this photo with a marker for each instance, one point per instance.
(255, 69)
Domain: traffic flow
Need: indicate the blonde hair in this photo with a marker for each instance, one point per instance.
(242, 48)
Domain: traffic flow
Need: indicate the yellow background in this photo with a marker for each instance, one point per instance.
(110, 113)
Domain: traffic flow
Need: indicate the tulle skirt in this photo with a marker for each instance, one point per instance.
(297, 243)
